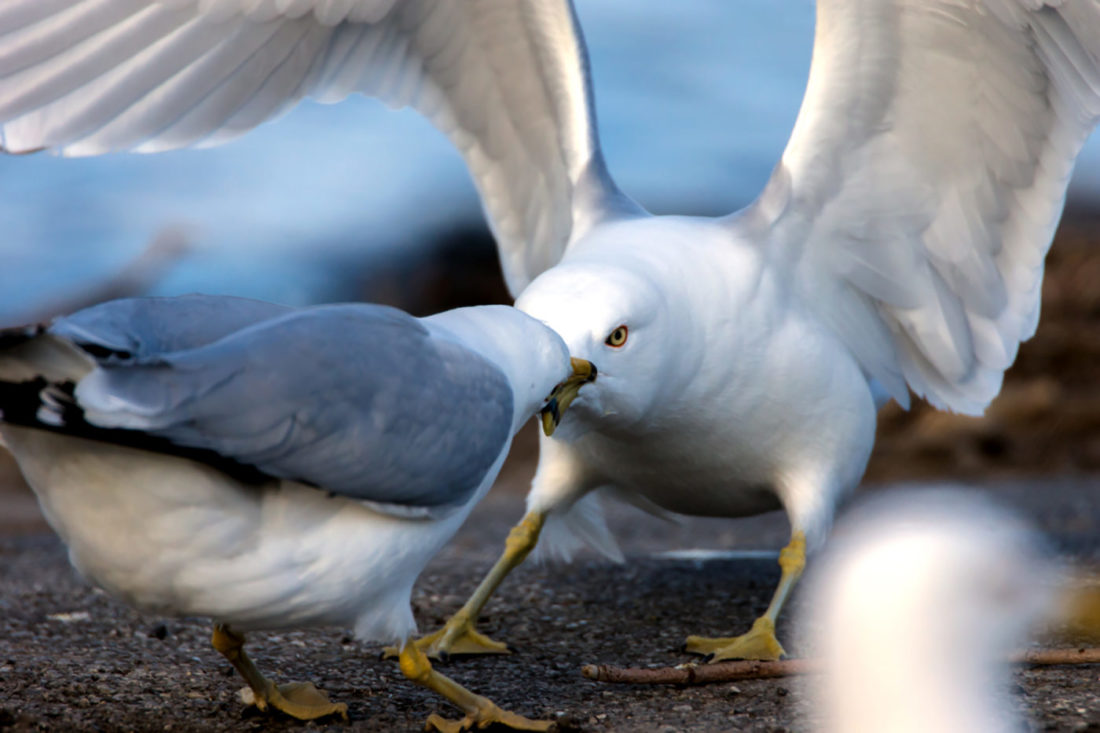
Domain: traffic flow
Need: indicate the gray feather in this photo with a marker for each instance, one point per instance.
(355, 399)
(142, 327)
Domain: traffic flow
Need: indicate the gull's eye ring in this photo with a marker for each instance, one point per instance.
(617, 337)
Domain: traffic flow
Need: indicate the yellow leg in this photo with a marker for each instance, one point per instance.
(299, 700)
(480, 711)
(759, 642)
(458, 636)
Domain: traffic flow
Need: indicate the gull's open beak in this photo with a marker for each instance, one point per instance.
(558, 401)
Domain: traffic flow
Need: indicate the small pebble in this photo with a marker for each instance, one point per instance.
(68, 618)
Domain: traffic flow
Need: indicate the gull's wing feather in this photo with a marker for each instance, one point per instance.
(925, 176)
(357, 400)
(141, 328)
(123, 329)
(506, 81)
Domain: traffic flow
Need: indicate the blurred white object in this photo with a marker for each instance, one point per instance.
(918, 604)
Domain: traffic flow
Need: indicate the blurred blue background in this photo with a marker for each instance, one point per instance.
(695, 101)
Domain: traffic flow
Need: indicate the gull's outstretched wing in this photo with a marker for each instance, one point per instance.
(358, 400)
(507, 81)
(924, 179)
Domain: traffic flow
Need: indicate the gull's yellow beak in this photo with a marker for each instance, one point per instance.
(558, 401)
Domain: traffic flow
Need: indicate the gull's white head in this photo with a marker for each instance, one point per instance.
(915, 609)
(629, 297)
(617, 319)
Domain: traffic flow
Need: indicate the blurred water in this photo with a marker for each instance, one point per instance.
(695, 101)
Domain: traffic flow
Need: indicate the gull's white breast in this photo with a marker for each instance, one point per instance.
(726, 455)
(758, 403)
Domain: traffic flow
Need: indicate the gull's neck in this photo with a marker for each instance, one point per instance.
(532, 356)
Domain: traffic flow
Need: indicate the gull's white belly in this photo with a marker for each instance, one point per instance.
(175, 536)
(734, 457)
(704, 477)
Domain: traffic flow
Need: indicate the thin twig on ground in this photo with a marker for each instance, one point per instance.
(745, 670)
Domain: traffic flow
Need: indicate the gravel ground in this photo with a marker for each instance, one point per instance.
(71, 658)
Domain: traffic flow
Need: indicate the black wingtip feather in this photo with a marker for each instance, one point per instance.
(21, 402)
(18, 335)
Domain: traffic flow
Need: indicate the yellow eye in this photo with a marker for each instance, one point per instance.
(617, 337)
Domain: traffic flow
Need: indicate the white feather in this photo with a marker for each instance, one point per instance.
(926, 174)
(583, 525)
(506, 81)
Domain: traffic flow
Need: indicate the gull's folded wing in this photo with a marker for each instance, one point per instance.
(144, 327)
(354, 399)
(925, 176)
(357, 400)
(127, 328)
(507, 81)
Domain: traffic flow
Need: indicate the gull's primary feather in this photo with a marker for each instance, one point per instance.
(920, 189)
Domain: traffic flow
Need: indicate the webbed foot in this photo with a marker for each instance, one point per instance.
(301, 700)
(458, 637)
(480, 711)
(758, 643)
(483, 718)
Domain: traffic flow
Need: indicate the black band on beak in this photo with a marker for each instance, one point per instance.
(559, 400)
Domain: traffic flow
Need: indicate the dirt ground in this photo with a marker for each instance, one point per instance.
(71, 658)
